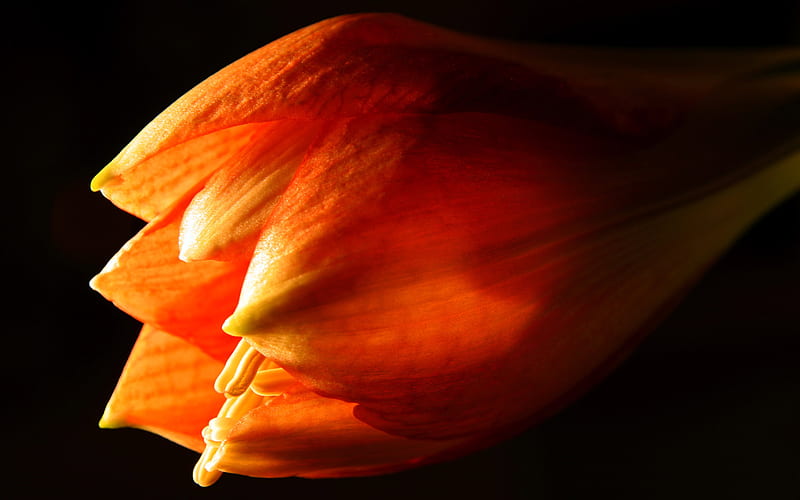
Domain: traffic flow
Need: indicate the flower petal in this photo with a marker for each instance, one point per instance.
(148, 185)
(147, 280)
(382, 63)
(304, 434)
(387, 247)
(165, 388)
(375, 63)
(388, 276)
(224, 219)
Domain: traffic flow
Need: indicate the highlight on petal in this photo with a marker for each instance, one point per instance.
(405, 178)
(226, 217)
(165, 388)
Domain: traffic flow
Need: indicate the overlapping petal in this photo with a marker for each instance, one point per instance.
(304, 434)
(461, 311)
(431, 240)
(167, 387)
(147, 280)
(147, 186)
(367, 64)
(224, 219)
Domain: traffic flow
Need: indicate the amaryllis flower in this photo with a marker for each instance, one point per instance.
(374, 244)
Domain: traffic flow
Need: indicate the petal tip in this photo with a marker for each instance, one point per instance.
(110, 419)
(190, 252)
(103, 177)
(236, 325)
(97, 284)
(93, 283)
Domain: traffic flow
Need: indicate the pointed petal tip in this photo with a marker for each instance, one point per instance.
(93, 283)
(187, 256)
(197, 253)
(96, 283)
(111, 420)
(103, 177)
(236, 325)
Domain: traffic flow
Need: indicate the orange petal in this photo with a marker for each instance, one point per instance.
(224, 219)
(379, 63)
(304, 434)
(383, 63)
(394, 246)
(147, 280)
(471, 239)
(451, 286)
(149, 185)
(165, 388)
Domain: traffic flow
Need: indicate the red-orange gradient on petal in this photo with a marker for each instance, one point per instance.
(467, 301)
(425, 240)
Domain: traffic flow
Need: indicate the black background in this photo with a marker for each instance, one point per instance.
(706, 408)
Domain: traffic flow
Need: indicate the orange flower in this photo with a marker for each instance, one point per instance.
(422, 241)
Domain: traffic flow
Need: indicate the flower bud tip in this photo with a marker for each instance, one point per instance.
(109, 420)
(103, 177)
(235, 326)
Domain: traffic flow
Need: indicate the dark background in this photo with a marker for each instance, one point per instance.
(708, 407)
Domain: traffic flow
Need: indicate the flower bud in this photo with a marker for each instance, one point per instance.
(397, 244)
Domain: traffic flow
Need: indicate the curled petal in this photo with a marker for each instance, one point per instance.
(166, 388)
(304, 434)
